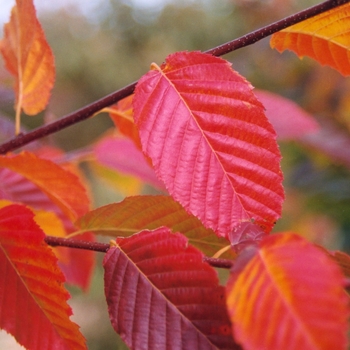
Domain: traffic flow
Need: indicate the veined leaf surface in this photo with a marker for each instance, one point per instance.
(161, 295)
(325, 38)
(209, 141)
(28, 57)
(33, 300)
(136, 213)
(288, 296)
(61, 186)
(18, 188)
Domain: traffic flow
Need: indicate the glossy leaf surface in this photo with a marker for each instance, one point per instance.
(289, 120)
(33, 300)
(136, 213)
(161, 295)
(289, 295)
(325, 38)
(209, 141)
(29, 58)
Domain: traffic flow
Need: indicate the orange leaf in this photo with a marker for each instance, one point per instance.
(23, 181)
(29, 58)
(150, 212)
(325, 38)
(33, 300)
(61, 186)
(288, 296)
(123, 117)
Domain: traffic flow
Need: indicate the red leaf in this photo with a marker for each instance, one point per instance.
(288, 119)
(29, 190)
(29, 58)
(136, 213)
(122, 154)
(210, 141)
(289, 295)
(33, 305)
(161, 294)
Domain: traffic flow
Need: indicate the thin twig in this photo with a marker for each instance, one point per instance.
(89, 110)
(103, 248)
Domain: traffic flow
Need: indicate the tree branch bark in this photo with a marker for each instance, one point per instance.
(103, 248)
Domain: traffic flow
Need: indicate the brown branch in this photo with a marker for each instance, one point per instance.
(270, 29)
(88, 111)
(103, 248)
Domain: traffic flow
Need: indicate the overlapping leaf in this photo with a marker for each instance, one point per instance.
(161, 295)
(122, 116)
(289, 295)
(28, 57)
(43, 185)
(33, 301)
(288, 119)
(210, 141)
(325, 38)
(62, 187)
(136, 213)
(122, 154)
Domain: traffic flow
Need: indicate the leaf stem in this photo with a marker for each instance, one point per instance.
(103, 248)
(89, 110)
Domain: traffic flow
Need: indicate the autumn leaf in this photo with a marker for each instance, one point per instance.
(161, 295)
(289, 120)
(288, 294)
(331, 141)
(122, 184)
(341, 258)
(33, 305)
(122, 154)
(136, 213)
(325, 38)
(209, 141)
(123, 117)
(29, 58)
(46, 186)
(62, 187)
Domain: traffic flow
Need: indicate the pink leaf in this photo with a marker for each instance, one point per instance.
(210, 141)
(122, 154)
(288, 119)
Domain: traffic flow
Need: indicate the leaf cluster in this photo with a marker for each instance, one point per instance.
(197, 131)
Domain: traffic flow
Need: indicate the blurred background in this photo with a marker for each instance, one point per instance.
(103, 45)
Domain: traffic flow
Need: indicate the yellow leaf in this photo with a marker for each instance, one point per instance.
(325, 38)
